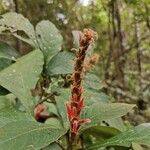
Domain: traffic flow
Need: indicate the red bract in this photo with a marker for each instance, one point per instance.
(76, 104)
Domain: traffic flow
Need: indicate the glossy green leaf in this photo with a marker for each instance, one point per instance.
(62, 63)
(22, 76)
(27, 134)
(49, 39)
(139, 134)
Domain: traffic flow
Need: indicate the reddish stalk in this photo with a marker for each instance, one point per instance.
(76, 104)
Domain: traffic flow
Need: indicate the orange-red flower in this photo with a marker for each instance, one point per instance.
(76, 104)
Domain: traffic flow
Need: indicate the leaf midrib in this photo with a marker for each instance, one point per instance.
(43, 128)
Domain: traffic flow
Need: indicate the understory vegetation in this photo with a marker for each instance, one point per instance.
(74, 75)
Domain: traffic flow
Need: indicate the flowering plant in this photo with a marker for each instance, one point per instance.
(77, 101)
(35, 89)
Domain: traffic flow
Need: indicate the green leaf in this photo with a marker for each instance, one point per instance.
(98, 133)
(4, 62)
(51, 108)
(54, 121)
(117, 123)
(103, 131)
(91, 81)
(49, 39)
(53, 146)
(62, 63)
(27, 134)
(140, 134)
(19, 127)
(10, 114)
(16, 22)
(22, 76)
(93, 96)
(61, 105)
(7, 54)
(102, 111)
(6, 101)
